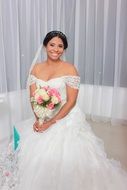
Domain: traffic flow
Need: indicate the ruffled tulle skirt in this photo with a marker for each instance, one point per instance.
(67, 156)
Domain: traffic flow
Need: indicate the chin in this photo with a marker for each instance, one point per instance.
(54, 58)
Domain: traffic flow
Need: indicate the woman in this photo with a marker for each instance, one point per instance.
(54, 68)
(61, 152)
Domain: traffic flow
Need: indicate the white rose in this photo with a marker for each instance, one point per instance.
(54, 100)
(46, 97)
(43, 93)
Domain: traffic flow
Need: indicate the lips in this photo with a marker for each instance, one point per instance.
(55, 54)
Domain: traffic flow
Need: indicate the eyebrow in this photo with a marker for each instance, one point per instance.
(58, 44)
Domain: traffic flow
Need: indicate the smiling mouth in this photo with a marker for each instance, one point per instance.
(53, 54)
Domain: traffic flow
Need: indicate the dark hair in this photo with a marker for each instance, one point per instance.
(53, 34)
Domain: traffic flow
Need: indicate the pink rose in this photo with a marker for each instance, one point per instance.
(39, 100)
(53, 92)
(50, 106)
(59, 98)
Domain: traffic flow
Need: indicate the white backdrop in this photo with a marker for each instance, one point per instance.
(97, 36)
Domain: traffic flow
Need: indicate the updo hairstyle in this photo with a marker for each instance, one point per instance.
(53, 34)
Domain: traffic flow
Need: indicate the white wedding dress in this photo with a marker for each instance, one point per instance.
(67, 156)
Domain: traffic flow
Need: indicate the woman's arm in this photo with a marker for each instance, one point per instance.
(33, 87)
(66, 108)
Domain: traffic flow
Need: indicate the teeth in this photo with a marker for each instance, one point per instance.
(54, 54)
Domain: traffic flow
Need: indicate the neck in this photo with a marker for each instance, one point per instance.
(53, 62)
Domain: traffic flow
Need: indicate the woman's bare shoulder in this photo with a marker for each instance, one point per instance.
(70, 68)
(37, 67)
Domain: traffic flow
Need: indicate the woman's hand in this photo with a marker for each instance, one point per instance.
(35, 126)
(41, 127)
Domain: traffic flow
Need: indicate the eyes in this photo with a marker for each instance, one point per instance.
(55, 45)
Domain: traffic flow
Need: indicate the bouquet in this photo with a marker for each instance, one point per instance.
(45, 100)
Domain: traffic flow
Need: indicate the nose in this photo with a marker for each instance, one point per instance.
(56, 48)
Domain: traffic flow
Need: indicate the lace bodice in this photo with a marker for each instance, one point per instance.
(58, 82)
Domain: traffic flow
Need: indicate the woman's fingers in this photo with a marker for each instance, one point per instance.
(35, 126)
(40, 128)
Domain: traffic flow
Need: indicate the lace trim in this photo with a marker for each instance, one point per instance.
(73, 81)
(9, 169)
(31, 80)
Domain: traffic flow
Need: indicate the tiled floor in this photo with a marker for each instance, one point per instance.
(115, 140)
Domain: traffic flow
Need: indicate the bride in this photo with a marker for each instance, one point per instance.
(60, 151)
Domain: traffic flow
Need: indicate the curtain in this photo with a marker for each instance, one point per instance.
(97, 37)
